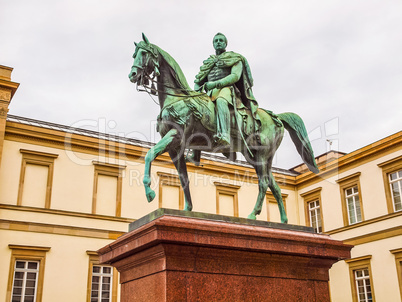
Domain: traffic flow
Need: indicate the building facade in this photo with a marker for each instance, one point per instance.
(66, 192)
(356, 198)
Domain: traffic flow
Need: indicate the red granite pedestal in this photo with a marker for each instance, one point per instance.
(168, 257)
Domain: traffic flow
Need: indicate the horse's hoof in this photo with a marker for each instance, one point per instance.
(188, 208)
(252, 216)
(150, 195)
(284, 220)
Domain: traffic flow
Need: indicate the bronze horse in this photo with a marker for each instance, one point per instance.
(187, 120)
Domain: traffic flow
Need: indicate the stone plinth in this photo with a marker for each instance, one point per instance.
(181, 256)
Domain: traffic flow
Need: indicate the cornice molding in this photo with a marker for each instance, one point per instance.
(46, 228)
(349, 177)
(38, 153)
(390, 162)
(65, 213)
(9, 85)
(363, 223)
(374, 236)
(223, 185)
(311, 192)
(29, 247)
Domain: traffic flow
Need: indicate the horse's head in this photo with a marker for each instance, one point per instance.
(145, 62)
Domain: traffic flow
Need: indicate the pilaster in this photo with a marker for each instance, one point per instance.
(7, 91)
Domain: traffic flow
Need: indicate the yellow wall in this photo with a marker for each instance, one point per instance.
(383, 267)
(66, 270)
(10, 173)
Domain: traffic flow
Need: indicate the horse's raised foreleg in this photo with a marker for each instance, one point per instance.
(263, 182)
(276, 191)
(156, 150)
(179, 161)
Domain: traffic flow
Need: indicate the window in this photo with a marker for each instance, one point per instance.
(108, 181)
(353, 205)
(102, 281)
(313, 209)
(226, 199)
(361, 279)
(392, 176)
(25, 281)
(395, 182)
(101, 290)
(315, 215)
(398, 260)
(26, 273)
(171, 194)
(363, 286)
(351, 199)
(36, 178)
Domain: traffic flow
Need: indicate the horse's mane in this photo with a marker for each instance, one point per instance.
(176, 71)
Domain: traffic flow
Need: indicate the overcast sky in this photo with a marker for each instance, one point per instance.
(336, 63)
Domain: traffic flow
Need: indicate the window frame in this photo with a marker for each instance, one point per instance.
(355, 264)
(94, 260)
(166, 179)
(27, 253)
(113, 170)
(398, 261)
(270, 198)
(40, 159)
(388, 167)
(311, 196)
(346, 183)
(227, 189)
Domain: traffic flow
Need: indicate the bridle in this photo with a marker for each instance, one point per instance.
(152, 90)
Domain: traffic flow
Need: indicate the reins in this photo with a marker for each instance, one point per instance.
(153, 88)
(149, 93)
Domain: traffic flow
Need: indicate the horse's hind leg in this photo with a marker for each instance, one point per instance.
(263, 182)
(179, 161)
(156, 150)
(276, 191)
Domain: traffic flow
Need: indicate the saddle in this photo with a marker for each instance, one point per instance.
(241, 117)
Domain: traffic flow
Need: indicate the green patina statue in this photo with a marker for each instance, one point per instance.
(226, 119)
(227, 79)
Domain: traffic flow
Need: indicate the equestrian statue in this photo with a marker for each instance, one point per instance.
(220, 115)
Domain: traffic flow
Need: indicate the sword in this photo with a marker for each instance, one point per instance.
(239, 128)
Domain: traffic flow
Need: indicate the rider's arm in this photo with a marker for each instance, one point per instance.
(197, 87)
(229, 80)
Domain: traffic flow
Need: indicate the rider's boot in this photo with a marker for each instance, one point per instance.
(223, 122)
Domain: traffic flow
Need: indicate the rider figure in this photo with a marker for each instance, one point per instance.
(224, 76)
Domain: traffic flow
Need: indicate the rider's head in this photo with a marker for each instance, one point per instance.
(220, 42)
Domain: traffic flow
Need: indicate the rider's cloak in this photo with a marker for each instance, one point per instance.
(244, 85)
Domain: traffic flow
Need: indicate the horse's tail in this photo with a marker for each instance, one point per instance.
(295, 126)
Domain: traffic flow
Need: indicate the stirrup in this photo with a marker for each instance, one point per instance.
(222, 140)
